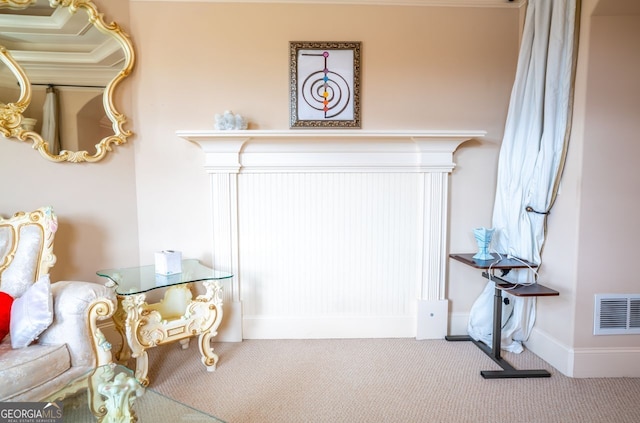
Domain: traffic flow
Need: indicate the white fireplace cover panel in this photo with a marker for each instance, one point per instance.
(330, 233)
(338, 249)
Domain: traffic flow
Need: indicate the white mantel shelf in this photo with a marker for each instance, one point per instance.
(330, 150)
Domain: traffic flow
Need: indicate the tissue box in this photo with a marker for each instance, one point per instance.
(168, 262)
(167, 280)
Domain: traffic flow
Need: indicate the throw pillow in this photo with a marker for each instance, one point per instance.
(6, 301)
(31, 313)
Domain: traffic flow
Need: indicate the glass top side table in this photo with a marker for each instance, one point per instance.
(177, 317)
(137, 280)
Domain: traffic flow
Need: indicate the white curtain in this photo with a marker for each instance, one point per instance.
(50, 121)
(531, 158)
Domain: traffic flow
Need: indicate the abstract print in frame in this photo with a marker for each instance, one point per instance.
(325, 84)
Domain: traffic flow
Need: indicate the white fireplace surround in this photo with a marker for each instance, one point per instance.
(331, 233)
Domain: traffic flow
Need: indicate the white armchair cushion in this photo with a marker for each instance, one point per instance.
(71, 303)
(21, 273)
(31, 313)
(24, 369)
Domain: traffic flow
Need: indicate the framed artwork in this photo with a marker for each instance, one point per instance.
(324, 84)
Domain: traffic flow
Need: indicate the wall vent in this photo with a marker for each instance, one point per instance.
(617, 314)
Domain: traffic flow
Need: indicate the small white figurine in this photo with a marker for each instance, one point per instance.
(228, 120)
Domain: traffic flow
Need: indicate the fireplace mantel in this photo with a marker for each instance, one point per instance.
(331, 233)
(328, 150)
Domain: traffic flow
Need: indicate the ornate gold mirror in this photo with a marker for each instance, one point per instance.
(60, 64)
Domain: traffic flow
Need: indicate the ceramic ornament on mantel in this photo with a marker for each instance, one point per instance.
(229, 121)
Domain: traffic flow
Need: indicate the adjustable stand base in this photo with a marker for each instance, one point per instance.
(508, 371)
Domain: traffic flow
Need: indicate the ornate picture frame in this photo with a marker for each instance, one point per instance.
(324, 84)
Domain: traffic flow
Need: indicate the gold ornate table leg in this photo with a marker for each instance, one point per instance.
(136, 317)
(142, 368)
(211, 302)
(209, 358)
(119, 321)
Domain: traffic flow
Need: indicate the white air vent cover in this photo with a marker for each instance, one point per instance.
(617, 314)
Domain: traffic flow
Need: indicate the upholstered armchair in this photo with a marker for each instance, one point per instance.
(49, 333)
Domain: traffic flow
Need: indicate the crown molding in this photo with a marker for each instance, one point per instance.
(398, 3)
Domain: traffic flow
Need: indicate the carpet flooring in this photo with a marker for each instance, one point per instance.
(381, 380)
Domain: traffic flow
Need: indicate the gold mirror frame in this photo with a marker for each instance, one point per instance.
(11, 113)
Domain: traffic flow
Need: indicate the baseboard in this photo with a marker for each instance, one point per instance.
(572, 362)
(606, 362)
(585, 362)
(230, 329)
(110, 332)
(106, 324)
(551, 350)
(329, 327)
(458, 323)
(234, 327)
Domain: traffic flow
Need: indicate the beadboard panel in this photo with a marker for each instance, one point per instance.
(329, 245)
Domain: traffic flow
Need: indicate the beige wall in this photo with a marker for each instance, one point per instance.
(421, 72)
(95, 203)
(591, 234)
(423, 68)
(610, 171)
